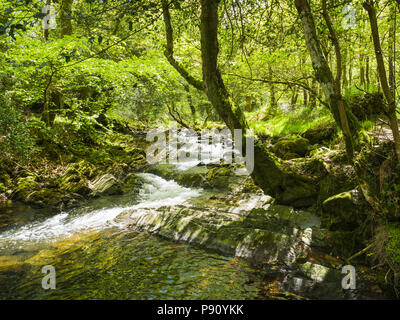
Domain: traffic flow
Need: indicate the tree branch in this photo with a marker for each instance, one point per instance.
(288, 83)
(169, 52)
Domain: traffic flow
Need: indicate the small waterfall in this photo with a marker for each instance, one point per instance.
(155, 192)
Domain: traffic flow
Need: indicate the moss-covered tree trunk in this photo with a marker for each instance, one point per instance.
(391, 110)
(65, 17)
(287, 187)
(344, 118)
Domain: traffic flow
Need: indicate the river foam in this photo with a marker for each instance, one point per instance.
(155, 192)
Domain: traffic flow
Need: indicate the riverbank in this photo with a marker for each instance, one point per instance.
(303, 248)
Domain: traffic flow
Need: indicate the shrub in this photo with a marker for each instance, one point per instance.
(15, 140)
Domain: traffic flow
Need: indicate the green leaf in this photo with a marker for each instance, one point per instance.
(44, 64)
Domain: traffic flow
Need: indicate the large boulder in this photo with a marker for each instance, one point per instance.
(367, 105)
(29, 190)
(291, 148)
(344, 211)
(319, 134)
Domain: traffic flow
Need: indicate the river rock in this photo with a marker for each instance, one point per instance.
(246, 226)
(105, 184)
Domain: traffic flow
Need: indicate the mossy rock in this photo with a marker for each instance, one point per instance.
(334, 183)
(28, 190)
(367, 105)
(320, 134)
(105, 184)
(291, 148)
(74, 183)
(250, 186)
(218, 177)
(165, 171)
(24, 187)
(46, 197)
(81, 168)
(193, 177)
(5, 178)
(320, 273)
(344, 211)
(132, 183)
(76, 178)
(337, 243)
(315, 167)
(393, 245)
(290, 155)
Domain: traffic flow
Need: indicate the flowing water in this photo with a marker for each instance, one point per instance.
(97, 258)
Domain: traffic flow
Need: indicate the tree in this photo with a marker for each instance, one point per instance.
(344, 118)
(391, 108)
(65, 17)
(287, 187)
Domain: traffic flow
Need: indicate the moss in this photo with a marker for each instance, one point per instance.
(218, 177)
(342, 211)
(291, 148)
(315, 167)
(320, 133)
(393, 245)
(81, 168)
(249, 186)
(24, 187)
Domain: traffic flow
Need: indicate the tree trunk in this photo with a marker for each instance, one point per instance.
(313, 98)
(190, 101)
(391, 110)
(286, 187)
(169, 52)
(272, 99)
(294, 97)
(324, 75)
(305, 97)
(367, 81)
(46, 30)
(65, 17)
(350, 72)
(362, 72)
(344, 75)
(391, 50)
(249, 103)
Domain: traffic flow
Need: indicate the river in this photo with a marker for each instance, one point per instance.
(96, 258)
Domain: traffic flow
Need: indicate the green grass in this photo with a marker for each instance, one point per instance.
(292, 122)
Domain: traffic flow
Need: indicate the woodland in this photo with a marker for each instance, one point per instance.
(315, 82)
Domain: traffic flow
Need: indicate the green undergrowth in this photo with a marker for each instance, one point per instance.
(292, 122)
(393, 246)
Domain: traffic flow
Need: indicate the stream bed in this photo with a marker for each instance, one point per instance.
(96, 258)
